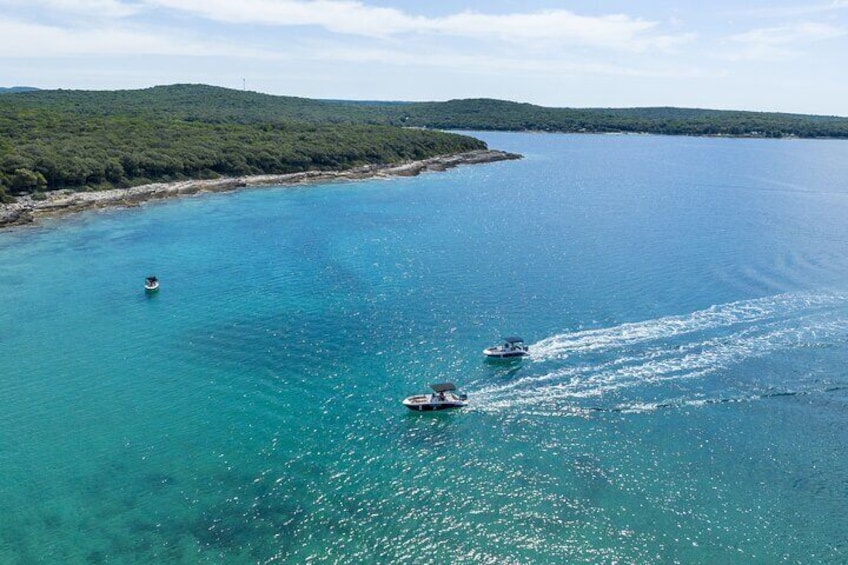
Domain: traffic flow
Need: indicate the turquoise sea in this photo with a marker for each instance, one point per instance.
(686, 400)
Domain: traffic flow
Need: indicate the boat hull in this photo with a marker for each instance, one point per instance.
(500, 354)
(432, 407)
(424, 403)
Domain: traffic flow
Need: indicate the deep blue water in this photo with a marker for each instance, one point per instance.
(686, 303)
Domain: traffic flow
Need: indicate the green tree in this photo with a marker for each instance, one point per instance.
(26, 180)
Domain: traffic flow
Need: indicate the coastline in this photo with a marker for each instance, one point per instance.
(27, 211)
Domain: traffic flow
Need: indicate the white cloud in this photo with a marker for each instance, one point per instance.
(498, 65)
(617, 32)
(99, 9)
(803, 32)
(790, 11)
(335, 15)
(555, 41)
(25, 40)
(782, 42)
(44, 28)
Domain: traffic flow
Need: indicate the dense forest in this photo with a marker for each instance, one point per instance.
(95, 140)
(485, 114)
(51, 139)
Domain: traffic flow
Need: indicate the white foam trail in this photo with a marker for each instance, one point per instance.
(720, 316)
(653, 353)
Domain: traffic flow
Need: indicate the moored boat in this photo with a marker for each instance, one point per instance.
(511, 347)
(151, 284)
(444, 396)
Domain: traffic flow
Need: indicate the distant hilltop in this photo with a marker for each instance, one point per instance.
(5, 89)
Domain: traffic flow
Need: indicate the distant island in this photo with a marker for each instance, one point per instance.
(4, 89)
(100, 140)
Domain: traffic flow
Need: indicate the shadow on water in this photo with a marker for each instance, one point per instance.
(504, 369)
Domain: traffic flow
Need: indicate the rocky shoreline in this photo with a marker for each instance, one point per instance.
(61, 202)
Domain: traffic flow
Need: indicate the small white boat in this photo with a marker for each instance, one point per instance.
(443, 396)
(511, 347)
(151, 284)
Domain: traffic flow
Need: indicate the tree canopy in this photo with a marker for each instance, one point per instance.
(87, 140)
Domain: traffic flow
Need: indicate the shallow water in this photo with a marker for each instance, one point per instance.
(685, 303)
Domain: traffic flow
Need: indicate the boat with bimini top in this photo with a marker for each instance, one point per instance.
(511, 347)
(444, 396)
(151, 284)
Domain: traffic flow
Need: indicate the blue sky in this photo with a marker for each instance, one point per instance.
(747, 55)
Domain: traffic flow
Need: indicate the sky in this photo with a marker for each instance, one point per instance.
(776, 55)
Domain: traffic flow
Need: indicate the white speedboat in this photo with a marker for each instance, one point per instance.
(444, 396)
(511, 347)
(151, 284)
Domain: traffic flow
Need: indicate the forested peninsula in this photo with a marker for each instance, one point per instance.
(98, 140)
(79, 140)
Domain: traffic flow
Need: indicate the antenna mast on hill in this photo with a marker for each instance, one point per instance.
(243, 85)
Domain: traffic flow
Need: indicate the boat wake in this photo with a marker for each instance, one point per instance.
(690, 360)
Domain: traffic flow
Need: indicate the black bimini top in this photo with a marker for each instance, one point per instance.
(513, 339)
(443, 387)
